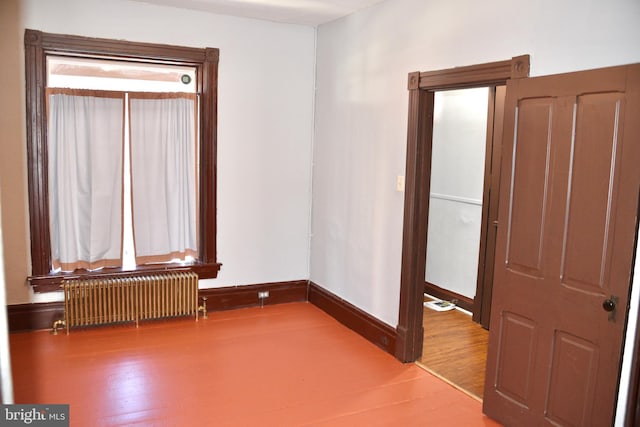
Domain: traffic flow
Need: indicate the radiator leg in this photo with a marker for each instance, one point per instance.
(203, 308)
(56, 325)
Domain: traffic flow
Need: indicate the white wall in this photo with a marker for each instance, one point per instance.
(457, 177)
(265, 116)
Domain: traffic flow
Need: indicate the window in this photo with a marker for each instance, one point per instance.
(200, 65)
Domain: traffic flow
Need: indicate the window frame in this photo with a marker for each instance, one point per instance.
(38, 45)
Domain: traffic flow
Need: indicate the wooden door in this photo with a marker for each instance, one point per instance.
(568, 212)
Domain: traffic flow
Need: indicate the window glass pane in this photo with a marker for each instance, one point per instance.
(110, 74)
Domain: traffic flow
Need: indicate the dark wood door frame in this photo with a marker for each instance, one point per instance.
(490, 196)
(422, 86)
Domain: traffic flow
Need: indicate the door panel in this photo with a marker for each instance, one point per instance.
(569, 197)
(529, 186)
(592, 185)
(518, 338)
(573, 366)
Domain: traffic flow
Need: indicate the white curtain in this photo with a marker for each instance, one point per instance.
(163, 144)
(85, 148)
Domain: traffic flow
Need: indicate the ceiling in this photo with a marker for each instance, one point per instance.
(304, 12)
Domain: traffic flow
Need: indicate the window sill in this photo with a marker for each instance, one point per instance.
(51, 282)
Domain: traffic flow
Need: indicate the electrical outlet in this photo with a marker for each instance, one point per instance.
(263, 294)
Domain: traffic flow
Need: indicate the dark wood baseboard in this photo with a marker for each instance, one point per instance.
(29, 317)
(230, 298)
(438, 292)
(379, 333)
(25, 317)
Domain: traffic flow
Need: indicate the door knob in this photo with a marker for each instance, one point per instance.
(609, 304)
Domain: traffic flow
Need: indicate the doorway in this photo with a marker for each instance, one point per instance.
(463, 186)
(464, 174)
(422, 89)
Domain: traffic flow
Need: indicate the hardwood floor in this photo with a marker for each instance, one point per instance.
(283, 365)
(455, 348)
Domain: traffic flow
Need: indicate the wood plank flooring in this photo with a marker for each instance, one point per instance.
(283, 365)
(455, 348)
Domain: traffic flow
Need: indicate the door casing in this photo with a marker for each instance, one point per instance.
(421, 90)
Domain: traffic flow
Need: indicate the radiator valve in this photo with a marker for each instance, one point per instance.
(203, 307)
(57, 324)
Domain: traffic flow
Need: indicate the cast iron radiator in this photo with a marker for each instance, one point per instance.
(89, 302)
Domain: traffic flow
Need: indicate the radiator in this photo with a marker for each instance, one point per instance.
(89, 302)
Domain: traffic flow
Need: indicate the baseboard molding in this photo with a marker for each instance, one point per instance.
(379, 333)
(25, 317)
(28, 317)
(438, 292)
(230, 298)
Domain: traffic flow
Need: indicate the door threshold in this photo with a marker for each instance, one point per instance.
(435, 374)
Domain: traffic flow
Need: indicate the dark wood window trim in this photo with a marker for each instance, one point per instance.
(37, 46)
(422, 86)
